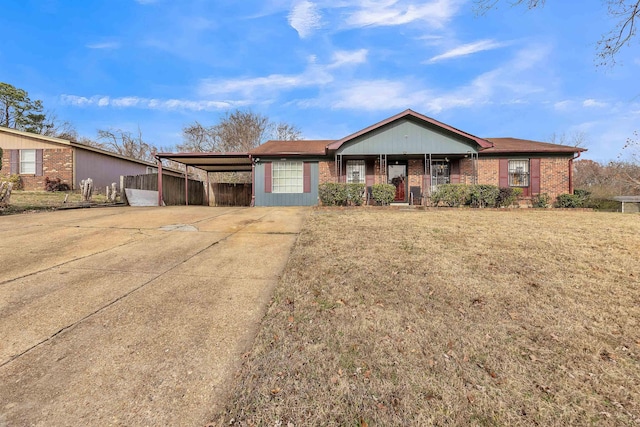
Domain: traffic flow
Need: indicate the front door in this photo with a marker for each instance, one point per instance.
(398, 177)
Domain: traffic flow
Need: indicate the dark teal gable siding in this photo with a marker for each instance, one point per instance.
(285, 199)
(408, 137)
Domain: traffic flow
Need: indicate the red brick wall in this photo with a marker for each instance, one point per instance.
(554, 174)
(56, 163)
(327, 172)
(488, 171)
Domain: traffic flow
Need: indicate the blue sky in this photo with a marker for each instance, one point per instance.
(329, 67)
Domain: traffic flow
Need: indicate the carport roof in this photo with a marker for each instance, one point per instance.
(211, 162)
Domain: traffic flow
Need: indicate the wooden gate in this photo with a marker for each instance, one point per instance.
(225, 194)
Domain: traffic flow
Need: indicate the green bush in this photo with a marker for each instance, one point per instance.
(569, 201)
(383, 194)
(540, 200)
(450, 195)
(332, 194)
(602, 205)
(0, 158)
(508, 196)
(15, 178)
(355, 194)
(483, 195)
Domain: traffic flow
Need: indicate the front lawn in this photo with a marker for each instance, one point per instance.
(31, 201)
(453, 317)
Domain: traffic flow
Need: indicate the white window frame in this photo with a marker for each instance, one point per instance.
(356, 168)
(28, 165)
(519, 173)
(287, 177)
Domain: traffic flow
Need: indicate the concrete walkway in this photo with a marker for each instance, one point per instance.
(132, 316)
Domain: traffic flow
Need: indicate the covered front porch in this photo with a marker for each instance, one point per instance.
(414, 176)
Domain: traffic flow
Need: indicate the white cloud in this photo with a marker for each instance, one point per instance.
(467, 49)
(393, 12)
(154, 104)
(104, 45)
(314, 75)
(75, 100)
(344, 57)
(305, 18)
(593, 103)
(503, 85)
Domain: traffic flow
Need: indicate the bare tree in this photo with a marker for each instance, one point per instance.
(238, 131)
(198, 138)
(126, 144)
(575, 139)
(624, 12)
(285, 132)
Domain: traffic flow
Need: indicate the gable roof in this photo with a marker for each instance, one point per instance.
(410, 114)
(292, 148)
(74, 144)
(515, 145)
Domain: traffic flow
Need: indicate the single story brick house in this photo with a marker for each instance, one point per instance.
(414, 152)
(35, 157)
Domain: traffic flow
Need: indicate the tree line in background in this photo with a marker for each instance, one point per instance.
(235, 131)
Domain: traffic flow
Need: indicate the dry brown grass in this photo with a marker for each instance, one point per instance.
(455, 317)
(30, 201)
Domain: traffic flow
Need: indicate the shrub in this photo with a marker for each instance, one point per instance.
(508, 196)
(602, 205)
(540, 200)
(450, 195)
(15, 179)
(355, 194)
(383, 194)
(569, 201)
(483, 195)
(333, 194)
(55, 184)
(0, 158)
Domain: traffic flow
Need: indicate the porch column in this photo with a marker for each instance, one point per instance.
(160, 202)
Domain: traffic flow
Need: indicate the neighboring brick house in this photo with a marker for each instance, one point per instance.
(414, 152)
(35, 157)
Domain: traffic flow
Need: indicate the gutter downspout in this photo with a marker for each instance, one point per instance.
(571, 172)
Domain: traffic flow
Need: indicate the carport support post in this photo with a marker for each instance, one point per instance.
(186, 185)
(159, 181)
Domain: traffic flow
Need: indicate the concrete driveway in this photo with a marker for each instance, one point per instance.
(132, 316)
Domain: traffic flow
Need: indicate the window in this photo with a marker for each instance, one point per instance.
(28, 162)
(287, 177)
(518, 173)
(355, 171)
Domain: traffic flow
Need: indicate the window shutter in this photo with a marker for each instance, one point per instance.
(39, 169)
(267, 177)
(14, 159)
(503, 173)
(455, 172)
(306, 177)
(534, 164)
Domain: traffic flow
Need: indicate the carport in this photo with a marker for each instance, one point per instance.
(208, 162)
